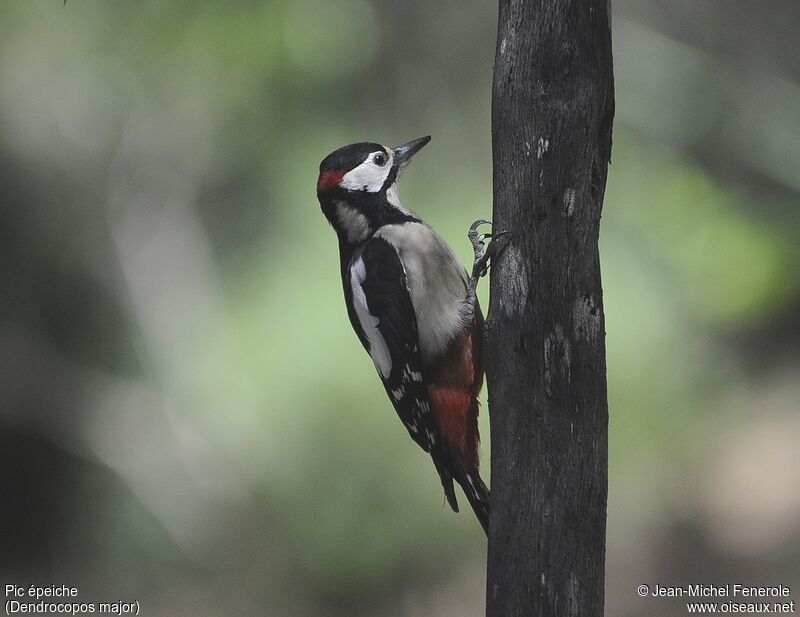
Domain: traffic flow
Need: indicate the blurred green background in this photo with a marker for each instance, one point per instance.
(186, 418)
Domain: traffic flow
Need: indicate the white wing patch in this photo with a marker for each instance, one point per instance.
(378, 350)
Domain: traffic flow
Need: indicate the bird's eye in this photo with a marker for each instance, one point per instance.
(379, 159)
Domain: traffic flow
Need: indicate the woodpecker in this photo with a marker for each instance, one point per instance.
(413, 307)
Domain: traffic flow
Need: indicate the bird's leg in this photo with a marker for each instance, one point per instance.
(480, 264)
(481, 258)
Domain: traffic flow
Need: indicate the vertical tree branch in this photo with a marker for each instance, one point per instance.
(552, 113)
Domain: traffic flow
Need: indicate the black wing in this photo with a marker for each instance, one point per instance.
(382, 311)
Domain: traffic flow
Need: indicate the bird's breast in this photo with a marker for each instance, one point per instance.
(436, 281)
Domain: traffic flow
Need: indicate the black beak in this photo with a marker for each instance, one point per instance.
(403, 154)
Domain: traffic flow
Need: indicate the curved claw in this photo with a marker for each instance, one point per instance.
(478, 223)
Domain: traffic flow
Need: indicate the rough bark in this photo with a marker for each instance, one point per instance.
(552, 113)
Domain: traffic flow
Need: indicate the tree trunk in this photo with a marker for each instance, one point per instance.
(552, 113)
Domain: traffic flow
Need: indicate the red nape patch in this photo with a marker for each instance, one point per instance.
(452, 408)
(328, 179)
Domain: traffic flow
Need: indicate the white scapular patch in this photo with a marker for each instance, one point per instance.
(437, 284)
(354, 224)
(369, 176)
(378, 350)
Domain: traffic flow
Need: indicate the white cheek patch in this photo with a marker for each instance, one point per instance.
(367, 177)
(378, 350)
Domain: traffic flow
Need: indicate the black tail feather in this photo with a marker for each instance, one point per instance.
(478, 497)
(447, 482)
(470, 480)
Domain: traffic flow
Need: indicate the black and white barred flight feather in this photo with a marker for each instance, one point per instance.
(382, 305)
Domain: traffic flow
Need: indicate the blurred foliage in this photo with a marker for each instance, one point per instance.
(173, 335)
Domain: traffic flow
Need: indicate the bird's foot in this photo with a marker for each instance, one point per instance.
(482, 255)
(477, 240)
(481, 263)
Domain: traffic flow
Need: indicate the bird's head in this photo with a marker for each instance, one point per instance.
(357, 186)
